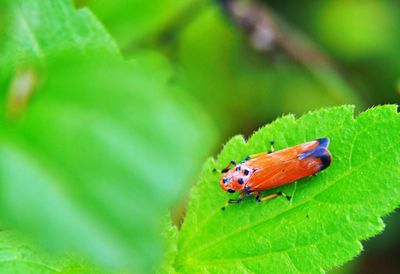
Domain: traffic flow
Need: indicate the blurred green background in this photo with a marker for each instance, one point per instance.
(216, 68)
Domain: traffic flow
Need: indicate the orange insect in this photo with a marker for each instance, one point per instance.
(272, 169)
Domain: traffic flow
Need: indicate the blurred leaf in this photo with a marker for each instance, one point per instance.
(170, 238)
(365, 38)
(132, 21)
(243, 88)
(361, 38)
(329, 214)
(3, 12)
(93, 149)
(39, 29)
(350, 267)
(19, 255)
(106, 150)
(356, 30)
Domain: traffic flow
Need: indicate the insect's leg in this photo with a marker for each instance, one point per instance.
(233, 201)
(226, 169)
(271, 146)
(276, 195)
(269, 197)
(280, 193)
(256, 193)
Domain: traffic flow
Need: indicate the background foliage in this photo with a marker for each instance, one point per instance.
(110, 107)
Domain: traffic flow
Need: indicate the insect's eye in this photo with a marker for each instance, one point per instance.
(246, 172)
(231, 191)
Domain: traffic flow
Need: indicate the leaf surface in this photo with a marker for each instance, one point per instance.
(93, 148)
(132, 22)
(20, 255)
(39, 29)
(170, 238)
(322, 226)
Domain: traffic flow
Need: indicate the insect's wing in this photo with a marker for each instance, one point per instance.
(283, 173)
(289, 165)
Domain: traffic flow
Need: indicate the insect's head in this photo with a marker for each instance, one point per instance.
(236, 178)
(227, 181)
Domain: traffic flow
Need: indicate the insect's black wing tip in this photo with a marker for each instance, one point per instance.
(326, 160)
(323, 142)
(319, 152)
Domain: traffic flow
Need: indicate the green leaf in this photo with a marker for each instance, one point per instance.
(3, 12)
(322, 226)
(266, 87)
(100, 152)
(131, 22)
(20, 255)
(170, 239)
(93, 148)
(39, 29)
(339, 28)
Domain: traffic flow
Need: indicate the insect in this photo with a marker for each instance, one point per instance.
(272, 169)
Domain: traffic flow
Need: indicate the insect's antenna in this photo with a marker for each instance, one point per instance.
(226, 169)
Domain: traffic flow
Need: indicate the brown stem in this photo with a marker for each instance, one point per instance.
(267, 33)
